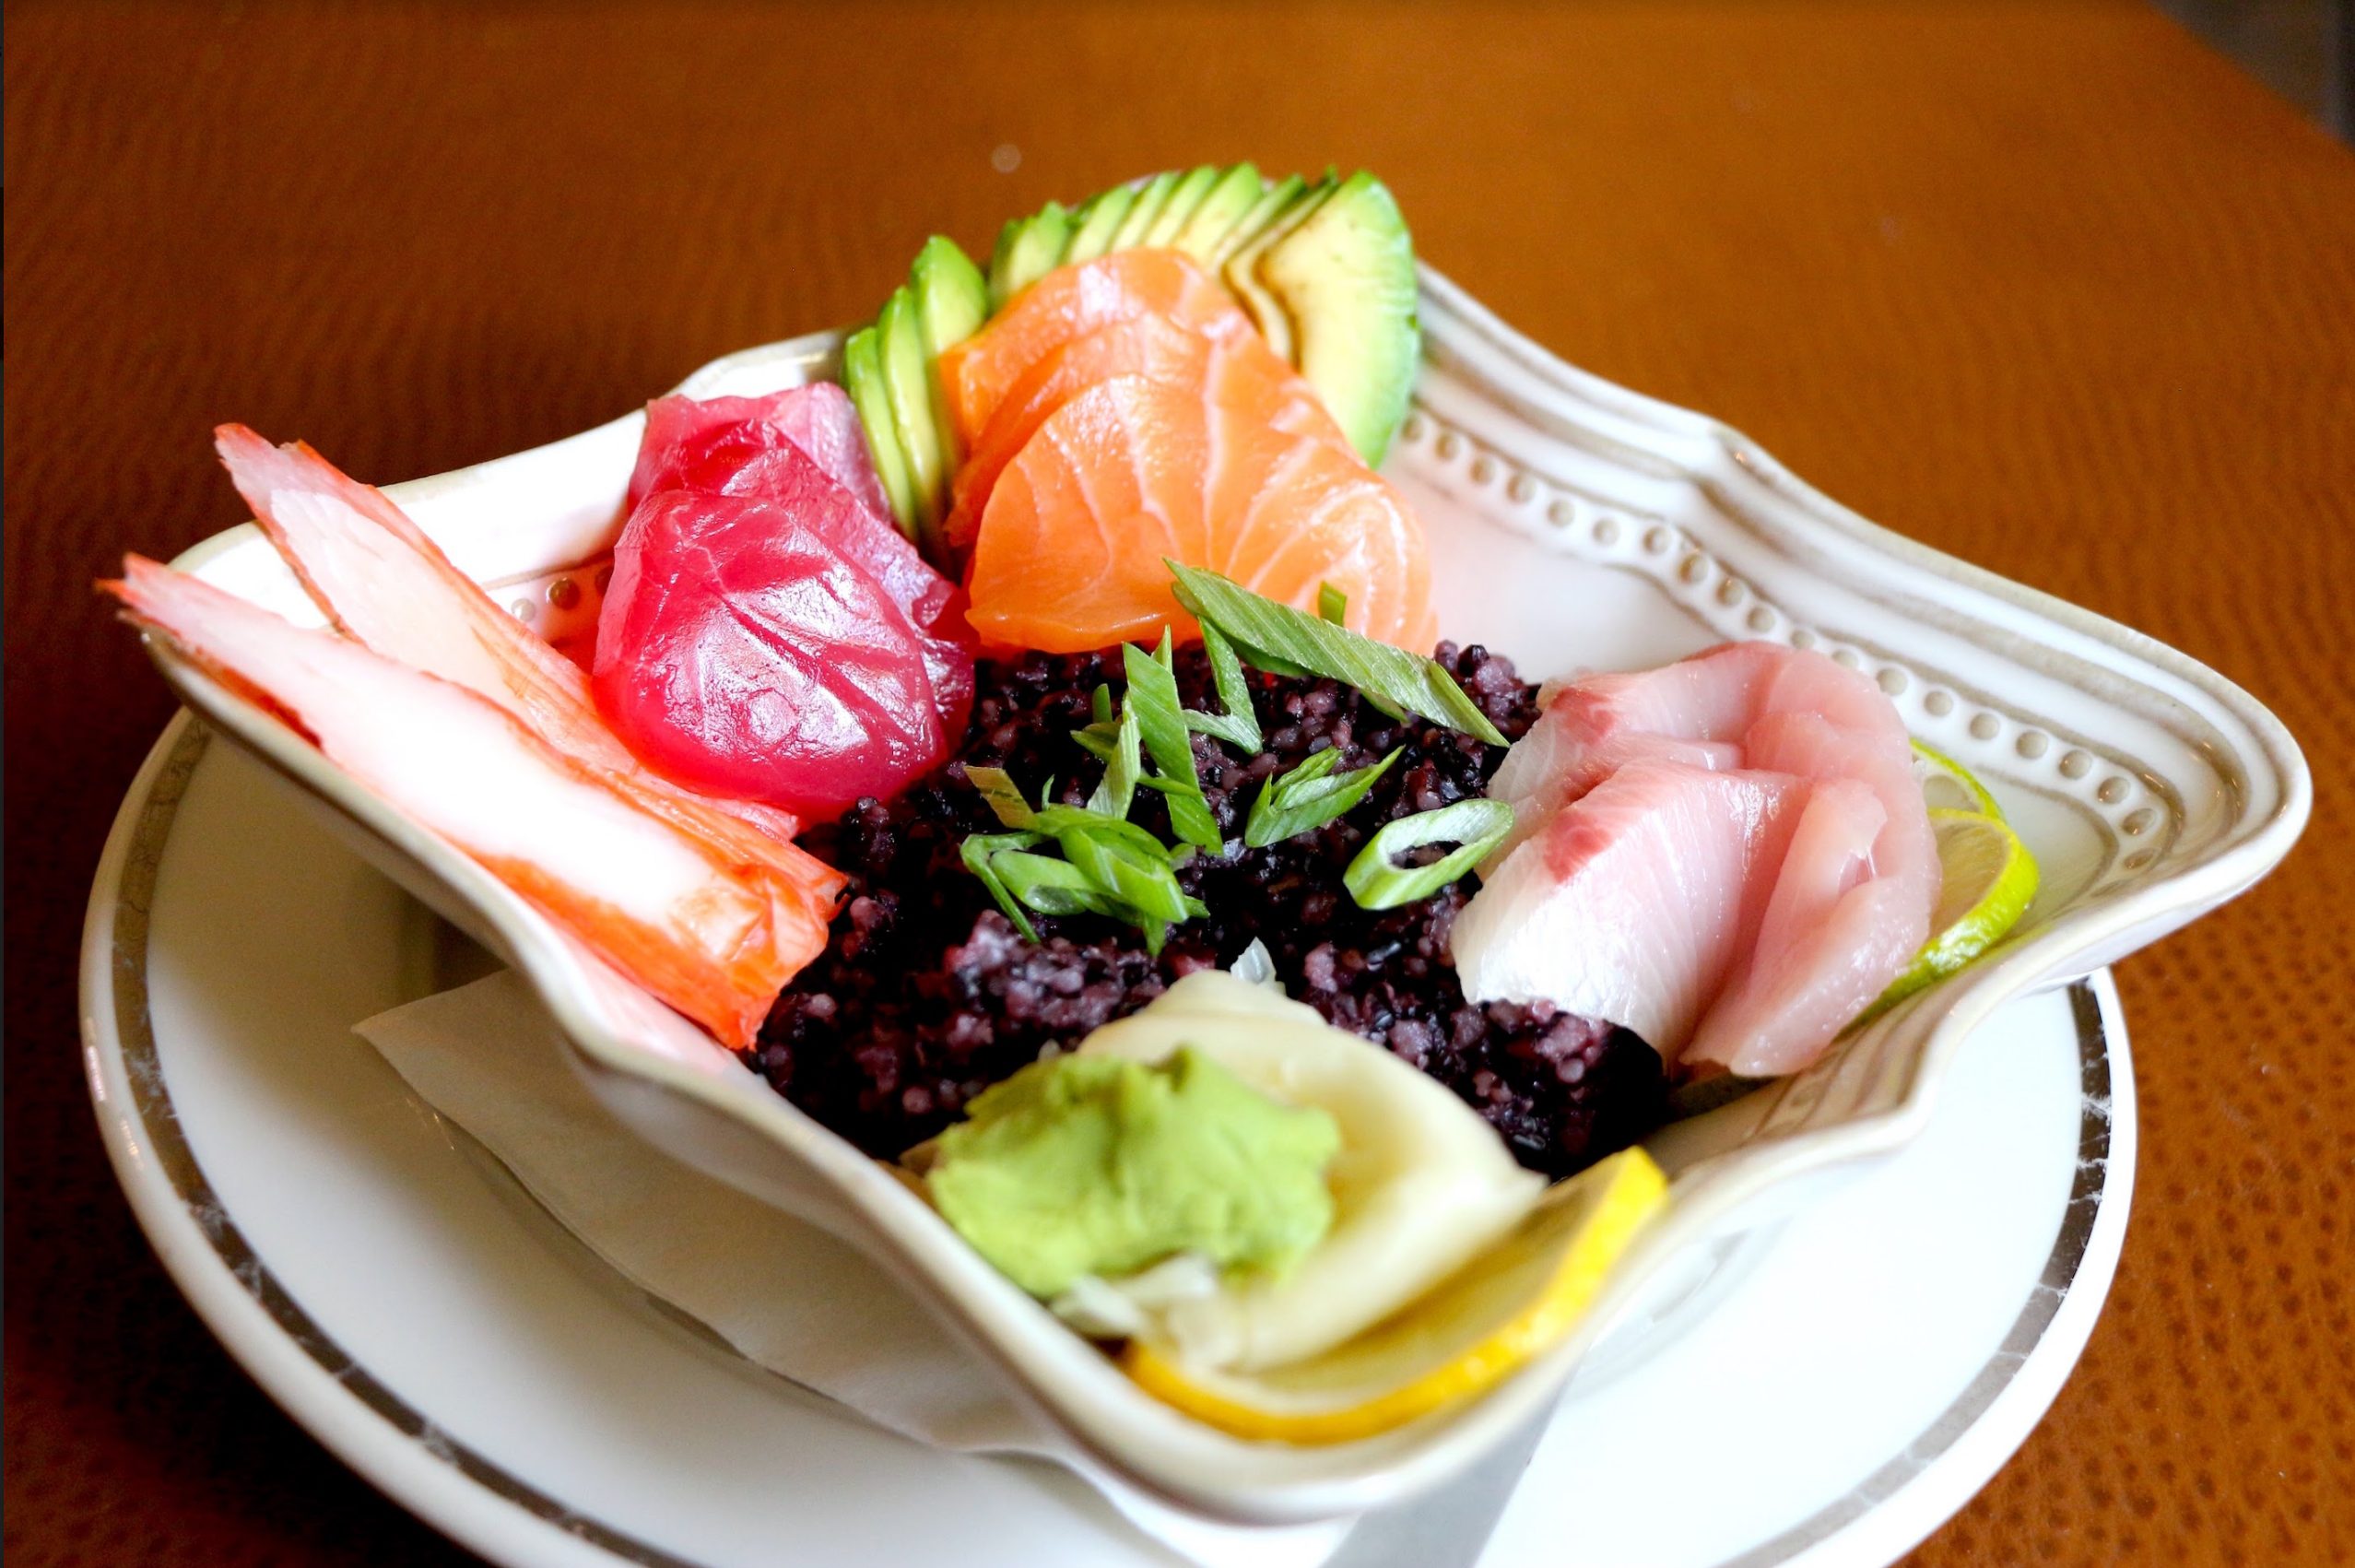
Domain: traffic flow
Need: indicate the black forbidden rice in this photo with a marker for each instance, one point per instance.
(926, 994)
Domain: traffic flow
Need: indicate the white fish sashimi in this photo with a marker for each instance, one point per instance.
(1632, 901)
(659, 904)
(1630, 905)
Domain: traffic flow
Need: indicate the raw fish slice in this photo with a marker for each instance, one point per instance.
(761, 447)
(1811, 745)
(381, 580)
(1071, 301)
(1239, 370)
(1069, 553)
(1328, 518)
(658, 903)
(1635, 901)
(706, 443)
(742, 652)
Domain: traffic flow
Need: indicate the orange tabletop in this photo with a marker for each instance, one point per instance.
(2050, 287)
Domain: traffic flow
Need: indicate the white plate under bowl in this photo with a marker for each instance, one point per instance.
(1846, 1383)
(1571, 523)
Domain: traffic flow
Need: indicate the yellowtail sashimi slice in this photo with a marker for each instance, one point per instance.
(1634, 901)
(660, 905)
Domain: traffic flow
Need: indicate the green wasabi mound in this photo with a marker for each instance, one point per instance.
(1101, 1165)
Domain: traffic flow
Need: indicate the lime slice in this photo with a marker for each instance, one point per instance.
(1990, 881)
(1947, 784)
(1496, 1313)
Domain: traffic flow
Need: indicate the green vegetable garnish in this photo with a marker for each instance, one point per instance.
(1004, 796)
(1331, 604)
(1110, 866)
(1239, 725)
(978, 853)
(1377, 881)
(1153, 698)
(1122, 764)
(1309, 796)
(1280, 639)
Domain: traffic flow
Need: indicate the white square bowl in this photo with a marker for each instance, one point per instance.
(1573, 524)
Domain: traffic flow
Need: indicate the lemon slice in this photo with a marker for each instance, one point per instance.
(1990, 881)
(1947, 784)
(1507, 1306)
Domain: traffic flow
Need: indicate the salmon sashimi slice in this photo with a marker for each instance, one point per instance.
(1633, 901)
(1070, 303)
(1240, 371)
(380, 578)
(1841, 909)
(661, 906)
(1069, 554)
(1070, 551)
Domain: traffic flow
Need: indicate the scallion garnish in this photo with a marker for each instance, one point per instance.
(1153, 698)
(978, 852)
(1123, 763)
(1239, 725)
(1376, 879)
(1003, 796)
(1331, 604)
(1309, 796)
(1280, 638)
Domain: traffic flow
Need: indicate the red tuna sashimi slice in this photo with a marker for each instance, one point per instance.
(741, 650)
(381, 579)
(658, 904)
(710, 444)
(1633, 901)
(756, 447)
(1072, 301)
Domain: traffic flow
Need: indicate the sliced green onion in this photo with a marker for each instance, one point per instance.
(1376, 879)
(1279, 638)
(1051, 886)
(1147, 886)
(1153, 698)
(1004, 796)
(977, 851)
(1122, 766)
(1309, 796)
(1239, 725)
(1331, 604)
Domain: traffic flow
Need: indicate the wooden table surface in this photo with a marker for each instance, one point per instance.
(2052, 288)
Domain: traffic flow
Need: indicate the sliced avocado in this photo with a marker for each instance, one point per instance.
(1152, 197)
(952, 301)
(1028, 249)
(1344, 275)
(863, 379)
(952, 298)
(1241, 274)
(1233, 194)
(1098, 220)
(1184, 196)
(1272, 200)
(907, 383)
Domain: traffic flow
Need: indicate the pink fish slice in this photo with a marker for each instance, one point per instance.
(1832, 937)
(1635, 901)
(660, 904)
(381, 580)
